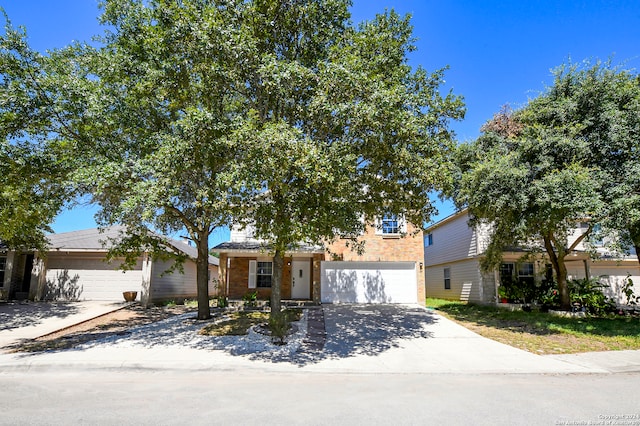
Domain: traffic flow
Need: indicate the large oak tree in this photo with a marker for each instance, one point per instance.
(338, 124)
(567, 157)
(278, 113)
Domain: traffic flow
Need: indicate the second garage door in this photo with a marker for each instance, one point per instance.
(368, 282)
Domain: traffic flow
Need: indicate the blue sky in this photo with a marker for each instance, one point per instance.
(498, 51)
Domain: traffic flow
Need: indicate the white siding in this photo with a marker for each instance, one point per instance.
(242, 235)
(609, 272)
(452, 241)
(86, 277)
(465, 277)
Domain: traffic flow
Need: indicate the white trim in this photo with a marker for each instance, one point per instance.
(253, 267)
(402, 227)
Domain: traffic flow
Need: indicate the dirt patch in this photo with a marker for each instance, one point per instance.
(114, 323)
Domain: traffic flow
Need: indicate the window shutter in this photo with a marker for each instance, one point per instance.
(402, 225)
(253, 266)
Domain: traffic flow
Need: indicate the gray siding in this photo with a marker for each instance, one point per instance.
(452, 241)
(176, 285)
(465, 281)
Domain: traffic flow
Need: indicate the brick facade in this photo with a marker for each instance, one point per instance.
(238, 276)
(383, 248)
(378, 248)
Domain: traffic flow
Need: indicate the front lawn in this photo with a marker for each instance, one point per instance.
(238, 323)
(543, 333)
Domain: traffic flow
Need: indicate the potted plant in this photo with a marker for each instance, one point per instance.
(502, 294)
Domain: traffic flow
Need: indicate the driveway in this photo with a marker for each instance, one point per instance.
(369, 339)
(28, 320)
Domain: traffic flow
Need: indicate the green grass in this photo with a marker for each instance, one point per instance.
(541, 332)
(238, 323)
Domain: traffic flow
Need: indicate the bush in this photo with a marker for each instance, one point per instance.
(222, 301)
(587, 294)
(279, 326)
(251, 299)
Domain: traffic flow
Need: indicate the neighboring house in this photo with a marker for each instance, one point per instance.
(75, 268)
(453, 251)
(389, 270)
(15, 273)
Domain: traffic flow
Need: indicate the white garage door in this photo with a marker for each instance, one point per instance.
(89, 279)
(368, 282)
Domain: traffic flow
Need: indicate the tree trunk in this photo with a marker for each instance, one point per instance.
(276, 284)
(202, 276)
(635, 239)
(563, 289)
(557, 261)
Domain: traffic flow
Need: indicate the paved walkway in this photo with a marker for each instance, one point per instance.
(316, 333)
(359, 339)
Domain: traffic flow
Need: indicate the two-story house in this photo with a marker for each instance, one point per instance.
(390, 270)
(453, 251)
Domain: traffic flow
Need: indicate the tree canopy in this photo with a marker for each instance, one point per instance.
(190, 115)
(338, 126)
(33, 173)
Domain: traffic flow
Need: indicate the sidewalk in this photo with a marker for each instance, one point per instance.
(361, 339)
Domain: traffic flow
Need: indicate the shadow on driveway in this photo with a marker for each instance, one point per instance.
(351, 330)
(25, 314)
(368, 330)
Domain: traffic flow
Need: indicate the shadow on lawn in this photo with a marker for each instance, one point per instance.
(540, 323)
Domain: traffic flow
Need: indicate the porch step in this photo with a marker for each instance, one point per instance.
(298, 303)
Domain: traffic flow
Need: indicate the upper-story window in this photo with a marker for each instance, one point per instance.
(428, 240)
(597, 236)
(391, 224)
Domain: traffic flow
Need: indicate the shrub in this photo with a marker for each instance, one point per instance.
(251, 299)
(279, 326)
(587, 294)
(222, 301)
(627, 290)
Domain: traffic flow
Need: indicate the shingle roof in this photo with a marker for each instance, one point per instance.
(253, 246)
(93, 239)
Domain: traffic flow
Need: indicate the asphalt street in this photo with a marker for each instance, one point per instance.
(253, 398)
(380, 364)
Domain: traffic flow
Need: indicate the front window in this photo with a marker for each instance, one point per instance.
(264, 271)
(390, 224)
(517, 281)
(447, 278)
(3, 264)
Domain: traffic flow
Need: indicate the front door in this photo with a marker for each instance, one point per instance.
(300, 279)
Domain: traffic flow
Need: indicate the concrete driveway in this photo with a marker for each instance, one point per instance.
(369, 339)
(28, 320)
